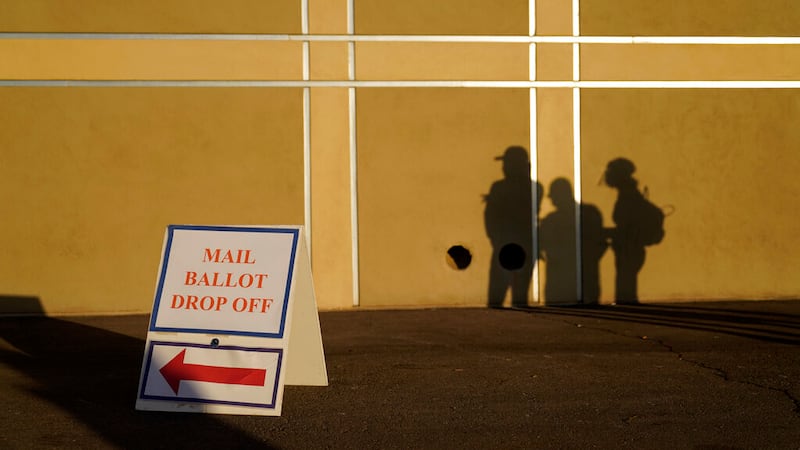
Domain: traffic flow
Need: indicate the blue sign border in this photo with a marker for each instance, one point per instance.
(165, 262)
(270, 405)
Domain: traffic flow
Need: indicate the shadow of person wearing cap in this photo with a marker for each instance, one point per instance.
(635, 228)
(509, 218)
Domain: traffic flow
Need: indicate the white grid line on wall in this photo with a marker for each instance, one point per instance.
(509, 39)
(534, 152)
(501, 84)
(576, 147)
(307, 210)
(353, 154)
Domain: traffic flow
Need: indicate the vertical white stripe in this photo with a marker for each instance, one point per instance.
(533, 145)
(576, 62)
(354, 197)
(351, 45)
(306, 131)
(576, 158)
(304, 28)
(304, 16)
(307, 165)
(576, 31)
(531, 17)
(351, 60)
(306, 61)
(534, 133)
(576, 24)
(532, 62)
(576, 142)
(351, 17)
(351, 93)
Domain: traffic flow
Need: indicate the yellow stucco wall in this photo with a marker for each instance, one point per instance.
(724, 162)
(441, 61)
(466, 17)
(689, 62)
(690, 18)
(150, 16)
(426, 162)
(92, 176)
(187, 112)
(145, 59)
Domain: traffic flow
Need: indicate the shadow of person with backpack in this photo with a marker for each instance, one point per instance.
(639, 223)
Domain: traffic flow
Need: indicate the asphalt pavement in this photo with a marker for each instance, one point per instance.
(667, 376)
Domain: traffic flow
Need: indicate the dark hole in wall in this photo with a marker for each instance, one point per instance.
(512, 257)
(459, 257)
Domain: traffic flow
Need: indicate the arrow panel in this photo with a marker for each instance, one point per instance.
(229, 375)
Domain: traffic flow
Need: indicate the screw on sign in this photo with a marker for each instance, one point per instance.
(177, 370)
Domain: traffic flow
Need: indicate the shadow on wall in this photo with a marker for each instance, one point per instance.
(20, 305)
(508, 218)
(92, 374)
(557, 243)
(638, 223)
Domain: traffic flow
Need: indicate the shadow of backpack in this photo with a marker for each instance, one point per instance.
(650, 218)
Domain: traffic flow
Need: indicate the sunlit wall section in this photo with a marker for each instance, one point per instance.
(92, 174)
(690, 18)
(721, 163)
(427, 161)
(385, 127)
(427, 157)
(445, 17)
(150, 16)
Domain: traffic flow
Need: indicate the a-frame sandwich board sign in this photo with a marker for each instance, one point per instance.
(234, 319)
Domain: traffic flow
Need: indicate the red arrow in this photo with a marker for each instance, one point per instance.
(176, 370)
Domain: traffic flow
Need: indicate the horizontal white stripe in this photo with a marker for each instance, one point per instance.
(744, 84)
(152, 36)
(790, 84)
(717, 40)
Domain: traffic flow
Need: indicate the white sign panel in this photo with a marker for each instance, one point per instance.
(231, 305)
(234, 280)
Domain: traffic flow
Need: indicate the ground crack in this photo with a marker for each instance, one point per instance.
(726, 377)
(715, 370)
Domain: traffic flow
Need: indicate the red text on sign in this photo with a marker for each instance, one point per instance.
(217, 279)
(209, 303)
(228, 256)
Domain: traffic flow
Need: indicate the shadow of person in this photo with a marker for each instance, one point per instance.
(509, 218)
(638, 223)
(558, 247)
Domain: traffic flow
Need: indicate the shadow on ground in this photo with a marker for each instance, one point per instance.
(92, 375)
(711, 375)
(751, 320)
